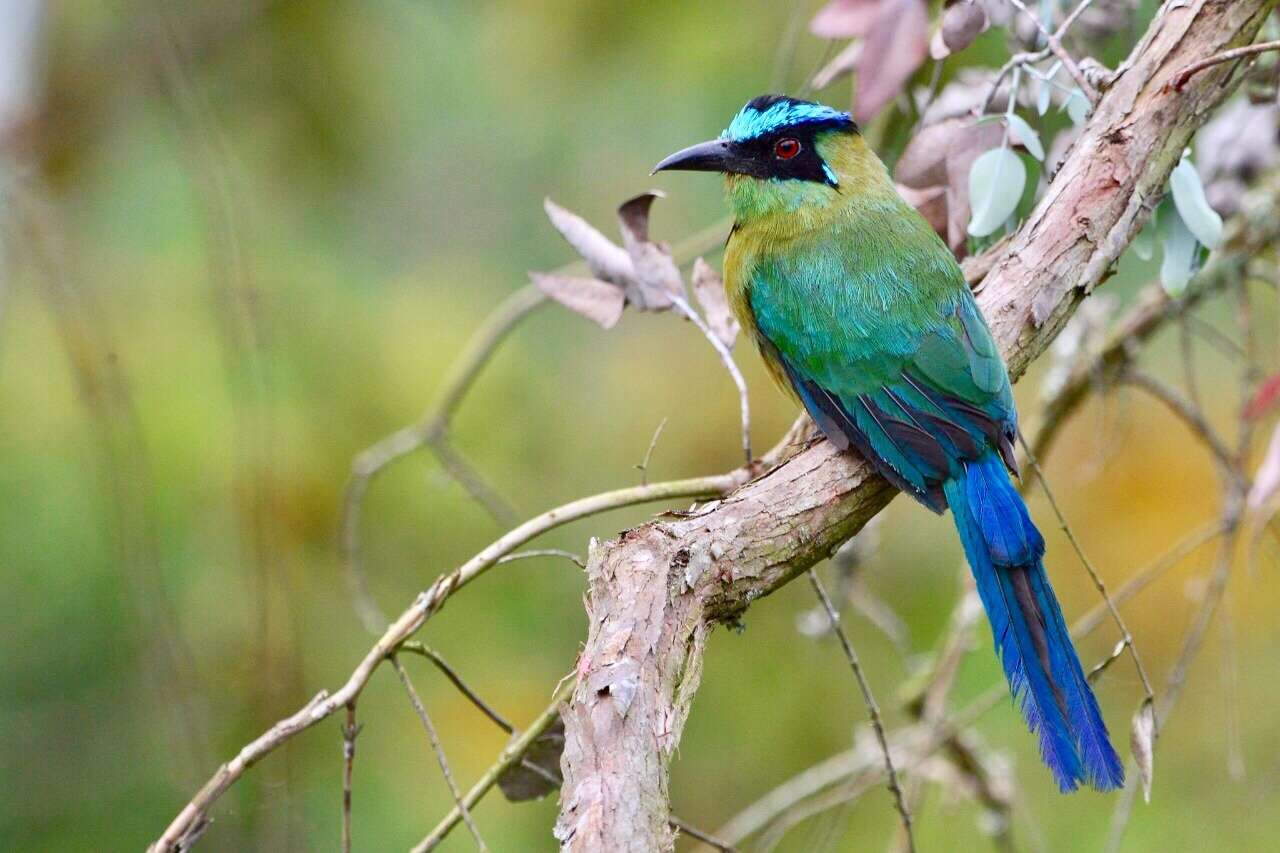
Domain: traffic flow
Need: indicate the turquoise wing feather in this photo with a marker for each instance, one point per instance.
(916, 385)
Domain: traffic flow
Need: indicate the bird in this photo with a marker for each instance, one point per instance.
(862, 313)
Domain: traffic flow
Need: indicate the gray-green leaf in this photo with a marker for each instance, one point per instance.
(1025, 135)
(1077, 107)
(1044, 93)
(1144, 245)
(1180, 250)
(1193, 207)
(996, 181)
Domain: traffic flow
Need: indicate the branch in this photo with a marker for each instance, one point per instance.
(873, 709)
(1054, 45)
(194, 816)
(510, 756)
(1226, 56)
(655, 592)
(430, 728)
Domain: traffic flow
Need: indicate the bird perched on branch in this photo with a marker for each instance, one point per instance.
(862, 312)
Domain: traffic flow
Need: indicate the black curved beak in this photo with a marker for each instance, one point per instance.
(718, 155)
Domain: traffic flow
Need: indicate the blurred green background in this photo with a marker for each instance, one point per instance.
(256, 237)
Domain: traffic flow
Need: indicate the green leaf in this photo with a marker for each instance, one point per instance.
(996, 181)
(1193, 207)
(1181, 251)
(1025, 135)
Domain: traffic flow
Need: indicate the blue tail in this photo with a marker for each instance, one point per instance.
(1005, 552)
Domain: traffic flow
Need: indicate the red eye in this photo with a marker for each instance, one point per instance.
(786, 148)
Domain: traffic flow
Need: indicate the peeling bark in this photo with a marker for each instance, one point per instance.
(655, 592)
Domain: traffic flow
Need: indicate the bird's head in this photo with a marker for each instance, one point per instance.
(779, 153)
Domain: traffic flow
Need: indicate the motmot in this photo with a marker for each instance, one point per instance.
(861, 311)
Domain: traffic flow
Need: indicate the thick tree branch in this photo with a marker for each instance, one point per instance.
(655, 592)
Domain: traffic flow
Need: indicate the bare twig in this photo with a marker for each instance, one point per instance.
(510, 756)
(1054, 44)
(1178, 676)
(1144, 577)
(873, 709)
(432, 428)
(705, 837)
(462, 472)
(432, 655)
(643, 467)
(349, 733)
(1031, 57)
(1181, 78)
(428, 430)
(1125, 637)
(545, 552)
(1149, 313)
(421, 710)
(194, 814)
(726, 358)
(1189, 413)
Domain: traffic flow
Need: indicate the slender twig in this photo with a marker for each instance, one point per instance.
(1188, 412)
(462, 472)
(1181, 78)
(369, 463)
(918, 741)
(785, 54)
(699, 835)
(726, 358)
(421, 710)
(431, 429)
(873, 709)
(545, 552)
(349, 733)
(1053, 41)
(509, 757)
(1149, 313)
(1144, 577)
(1030, 57)
(194, 814)
(1126, 637)
(643, 467)
(1177, 677)
(450, 673)
(1233, 502)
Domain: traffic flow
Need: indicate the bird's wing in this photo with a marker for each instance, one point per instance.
(915, 397)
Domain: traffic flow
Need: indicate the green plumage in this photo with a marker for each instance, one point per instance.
(861, 311)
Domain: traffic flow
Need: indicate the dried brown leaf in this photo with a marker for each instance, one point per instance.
(845, 18)
(961, 24)
(924, 161)
(606, 259)
(931, 202)
(1142, 736)
(655, 278)
(843, 63)
(708, 289)
(896, 45)
(937, 160)
(538, 772)
(598, 301)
